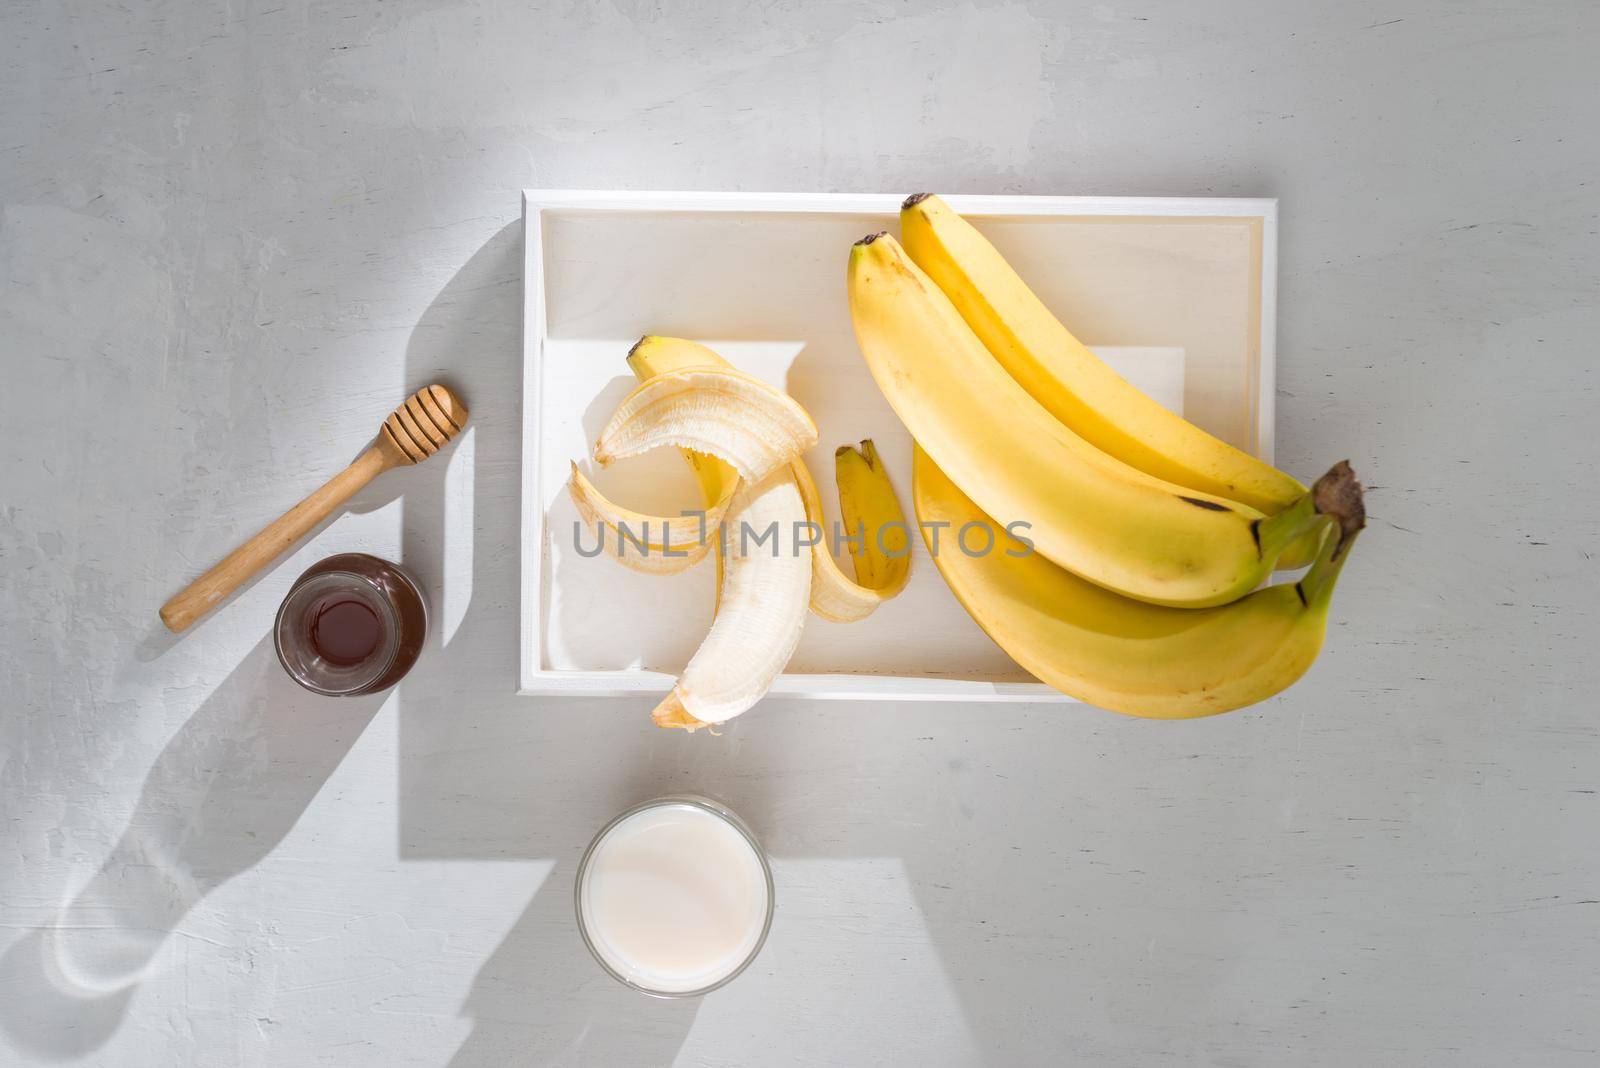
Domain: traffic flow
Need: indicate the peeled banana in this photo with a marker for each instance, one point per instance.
(1088, 511)
(765, 589)
(834, 596)
(1125, 655)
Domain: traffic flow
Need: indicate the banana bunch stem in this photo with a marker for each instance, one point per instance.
(1336, 495)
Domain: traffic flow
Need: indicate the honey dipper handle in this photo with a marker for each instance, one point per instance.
(210, 589)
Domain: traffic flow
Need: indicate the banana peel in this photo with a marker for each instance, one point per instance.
(880, 551)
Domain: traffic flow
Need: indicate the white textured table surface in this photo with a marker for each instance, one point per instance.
(234, 234)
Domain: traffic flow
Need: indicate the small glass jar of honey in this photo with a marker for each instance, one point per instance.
(352, 624)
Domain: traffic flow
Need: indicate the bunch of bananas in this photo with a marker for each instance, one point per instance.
(1150, 539)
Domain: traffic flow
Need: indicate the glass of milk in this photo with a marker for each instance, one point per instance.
(674, 896)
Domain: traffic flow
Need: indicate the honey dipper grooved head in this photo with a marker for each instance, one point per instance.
(424, 424)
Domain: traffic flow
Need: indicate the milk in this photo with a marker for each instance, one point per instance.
(674, 898)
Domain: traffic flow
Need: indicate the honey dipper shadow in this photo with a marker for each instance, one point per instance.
(221, 796)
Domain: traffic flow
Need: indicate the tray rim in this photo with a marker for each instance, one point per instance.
(535, 680)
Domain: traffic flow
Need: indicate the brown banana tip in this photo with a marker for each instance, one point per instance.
(870, 238)
(841, 450)
(913, 200)
(1338, 494)
(637, 344)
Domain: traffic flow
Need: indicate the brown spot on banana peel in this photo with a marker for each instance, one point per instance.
(913, 200)
(1210, 506)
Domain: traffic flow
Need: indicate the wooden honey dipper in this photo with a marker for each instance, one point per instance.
(420, 427)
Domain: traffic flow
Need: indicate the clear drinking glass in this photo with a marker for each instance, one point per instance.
(755, 879)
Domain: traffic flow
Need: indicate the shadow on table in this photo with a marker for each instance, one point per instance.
(223, 793)
(488, 775)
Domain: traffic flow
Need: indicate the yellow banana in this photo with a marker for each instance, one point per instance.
(1124, 655)
(833, 596)
(1072, 383)
(1089, 512)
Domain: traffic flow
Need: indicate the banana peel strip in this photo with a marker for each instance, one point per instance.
(656, 545)
(867, 501)
(834, 596)
(724, 413)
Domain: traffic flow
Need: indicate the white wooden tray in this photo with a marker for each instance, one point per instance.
(1177, 293)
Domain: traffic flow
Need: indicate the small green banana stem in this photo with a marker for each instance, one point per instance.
(1277, 532)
